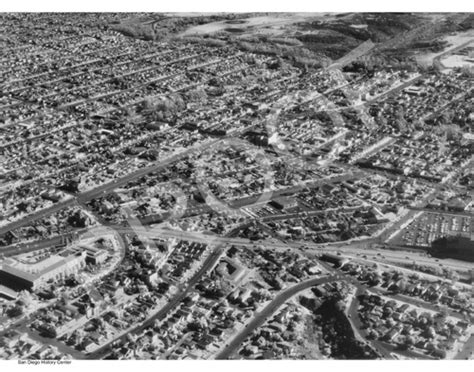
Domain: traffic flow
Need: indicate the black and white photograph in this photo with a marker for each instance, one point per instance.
(236, 185)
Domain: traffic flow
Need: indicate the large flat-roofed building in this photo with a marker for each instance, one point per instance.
(94, 255)
(18, 275)
(16, 279)
(7, 293)
(284, 203)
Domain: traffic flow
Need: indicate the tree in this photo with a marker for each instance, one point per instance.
(15, 311)
(48, 331)
(452, 132)
(467, 71)
(400, 122)
(196, 95)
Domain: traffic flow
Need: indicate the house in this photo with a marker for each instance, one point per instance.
(392, 334)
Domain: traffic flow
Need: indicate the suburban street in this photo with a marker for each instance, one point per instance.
(260, 318)
(172, 182)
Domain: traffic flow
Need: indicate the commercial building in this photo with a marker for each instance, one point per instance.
(18, 275)
(284, 203)
(94, 255)
(7, 293)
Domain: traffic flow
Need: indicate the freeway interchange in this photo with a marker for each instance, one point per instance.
(330, 197)
(355, 250)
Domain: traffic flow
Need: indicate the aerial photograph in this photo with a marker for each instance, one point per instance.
(236, 185)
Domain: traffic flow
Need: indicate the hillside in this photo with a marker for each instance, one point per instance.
(309, 39)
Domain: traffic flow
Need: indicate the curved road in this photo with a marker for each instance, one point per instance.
(163, 312)
(273, 306)
(106, 187)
